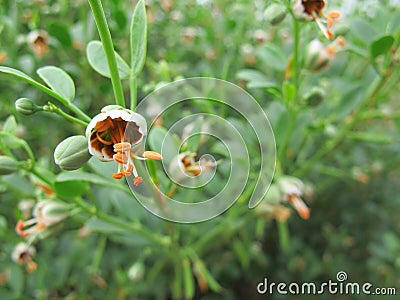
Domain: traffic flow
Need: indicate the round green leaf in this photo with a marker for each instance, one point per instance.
(98, 61)
(381, 45)
(59, 81)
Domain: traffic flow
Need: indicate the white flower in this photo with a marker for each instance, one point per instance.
(292, 189)
(111, 135)
(22, 254)
(109, 126)
(313, 10)
(45, 213)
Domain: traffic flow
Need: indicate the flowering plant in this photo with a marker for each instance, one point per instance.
(327, 81)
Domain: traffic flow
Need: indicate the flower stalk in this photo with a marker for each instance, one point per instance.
(105, 36)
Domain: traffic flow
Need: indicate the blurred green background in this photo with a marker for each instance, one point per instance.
(355, 206)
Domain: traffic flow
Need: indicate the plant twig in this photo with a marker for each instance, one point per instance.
(106, 40)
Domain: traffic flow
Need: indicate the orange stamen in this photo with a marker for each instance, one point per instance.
(152, 155)
(341, 41)
(102, 140)
(121, 158)
(330, 34)
(121, 132)
(110, 122)
(19, 228)
(330, 22)
(137, 180)
(300, 206)
(334, 14)
(101, 126)
(114, 136)
(31, 266)
(331, 50)
(117, 175)
(122, 147)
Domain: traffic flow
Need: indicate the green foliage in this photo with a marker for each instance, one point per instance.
(97, 59)
(138, 38)
(336, 130)
(58, 81)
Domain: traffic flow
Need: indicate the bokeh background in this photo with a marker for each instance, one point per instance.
(353, 190)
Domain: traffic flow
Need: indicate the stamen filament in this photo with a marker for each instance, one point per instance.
(103, 140)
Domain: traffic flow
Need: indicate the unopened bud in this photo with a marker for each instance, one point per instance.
(72, 153)
(7, 165)
(136, 271)
(26, 106)
(317, 58)
(315, 96)
(275, 13)
(330, 130)
(50, 212)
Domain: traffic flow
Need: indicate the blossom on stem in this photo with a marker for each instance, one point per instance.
(108, 142)
(45, 214)
(311, 10)
(23, 254)
(38, 41)
(319, 56)
(291, 190)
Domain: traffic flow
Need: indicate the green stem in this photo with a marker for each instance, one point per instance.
(51, 93)
(284, 236)
(24, 145)
(292, 105)
(133, 86)
(41, 177)
(285, 142)
(296, 54)
(136, 228)
(60, 112)
(98, 254)
(106, 40)
(375, 87)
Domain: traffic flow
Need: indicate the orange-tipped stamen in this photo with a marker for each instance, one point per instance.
(19, 228)
(152, 155)
(31, 266)
(334, 14)
(341, 41)
(117, 175)
(121, 158)
(122, 147)
(137, 180)
(300, 206)
(100, 138)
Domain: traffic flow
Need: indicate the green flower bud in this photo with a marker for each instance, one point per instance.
(50, 212)
(7, 165)
(317, 58)
(72, 153)
(330, 130)
(315, 96)
(136, 271)
(275, 13)
(26, 106)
